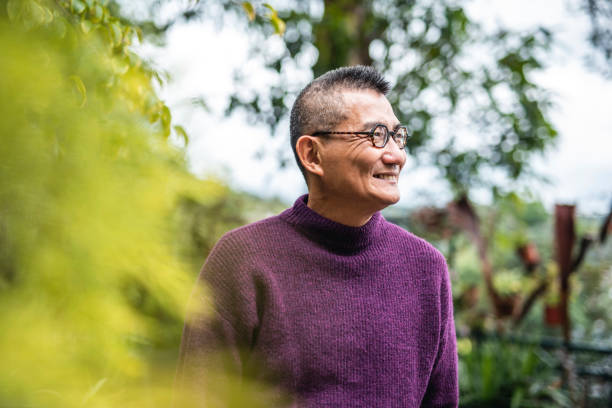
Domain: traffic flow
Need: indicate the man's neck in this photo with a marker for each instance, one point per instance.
(341, 213)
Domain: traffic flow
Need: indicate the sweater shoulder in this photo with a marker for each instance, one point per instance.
(229, 266)
(238, 243)
(413, 245)
(419, 255)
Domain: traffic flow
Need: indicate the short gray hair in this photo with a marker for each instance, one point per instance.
(318, 107)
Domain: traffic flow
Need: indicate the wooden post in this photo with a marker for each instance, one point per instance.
(564, 243)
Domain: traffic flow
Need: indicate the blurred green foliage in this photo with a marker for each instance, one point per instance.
(600, 35)
(95, 263)
(86, 188)
(500, 374)
(593, 298)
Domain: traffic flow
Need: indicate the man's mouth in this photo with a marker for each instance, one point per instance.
(386, 176)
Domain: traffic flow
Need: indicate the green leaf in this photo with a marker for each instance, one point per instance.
(86, 26)
(154, 117)
(133, 59)
(248, 8)
(116, 34)
(157, 77)
(120, 66)
(35, 15)
(94, 390)
(517, 398)
(278, 24)
(200, 102)
(98, 13)
(139, 34)
(127, 35)
(60, 26)
(47, 16)
(182, 132)
(77, 6)
(80, 86)
(13, 8)
(166, 119)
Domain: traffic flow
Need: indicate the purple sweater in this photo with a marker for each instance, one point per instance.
(335, 316)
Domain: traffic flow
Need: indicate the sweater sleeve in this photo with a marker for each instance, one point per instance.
(219, 326)
(443, 387)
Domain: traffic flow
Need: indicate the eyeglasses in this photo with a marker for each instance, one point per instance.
(379, 135)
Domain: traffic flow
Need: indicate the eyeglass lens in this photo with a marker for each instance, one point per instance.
(380, 135)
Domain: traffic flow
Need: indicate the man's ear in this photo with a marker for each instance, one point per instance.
(308, 149)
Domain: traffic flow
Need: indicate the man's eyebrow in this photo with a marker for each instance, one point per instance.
(370, 125)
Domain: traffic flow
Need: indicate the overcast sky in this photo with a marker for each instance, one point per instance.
(201, 57)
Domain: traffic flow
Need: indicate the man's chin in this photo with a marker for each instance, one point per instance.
(388, 199)
(394, 200)
(393, 195)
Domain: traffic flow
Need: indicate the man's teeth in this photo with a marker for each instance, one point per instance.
(386, 176)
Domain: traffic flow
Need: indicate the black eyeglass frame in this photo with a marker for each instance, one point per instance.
(388, 134)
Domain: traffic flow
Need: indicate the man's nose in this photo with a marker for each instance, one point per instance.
(393, 154)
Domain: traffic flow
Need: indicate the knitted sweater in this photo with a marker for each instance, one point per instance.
(335, 316)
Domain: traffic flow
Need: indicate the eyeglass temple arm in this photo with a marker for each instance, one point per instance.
(341, 133)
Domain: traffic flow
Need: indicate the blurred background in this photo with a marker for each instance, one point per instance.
(136, 133)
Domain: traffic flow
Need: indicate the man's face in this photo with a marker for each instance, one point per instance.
(354, 170)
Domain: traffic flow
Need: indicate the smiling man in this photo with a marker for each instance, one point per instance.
(328, 301)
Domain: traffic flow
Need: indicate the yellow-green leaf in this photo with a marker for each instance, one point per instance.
(59, 26)
(180, 131)
(133, 59)
(278, 24)
(94, 390)
(77, 6)
(120, 66)
(154, 117)
(13, 8)
(248, 8)
(47, 15)
(33, 14)
(80, 86)
(98, 13)
(166, 119)
(116, 33)
(127, 35)
(139, 34)
(86, 26)
(157, 76)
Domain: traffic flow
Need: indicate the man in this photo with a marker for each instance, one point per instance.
(328, 301)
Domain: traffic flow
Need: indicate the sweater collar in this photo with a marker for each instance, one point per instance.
(329, 233)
